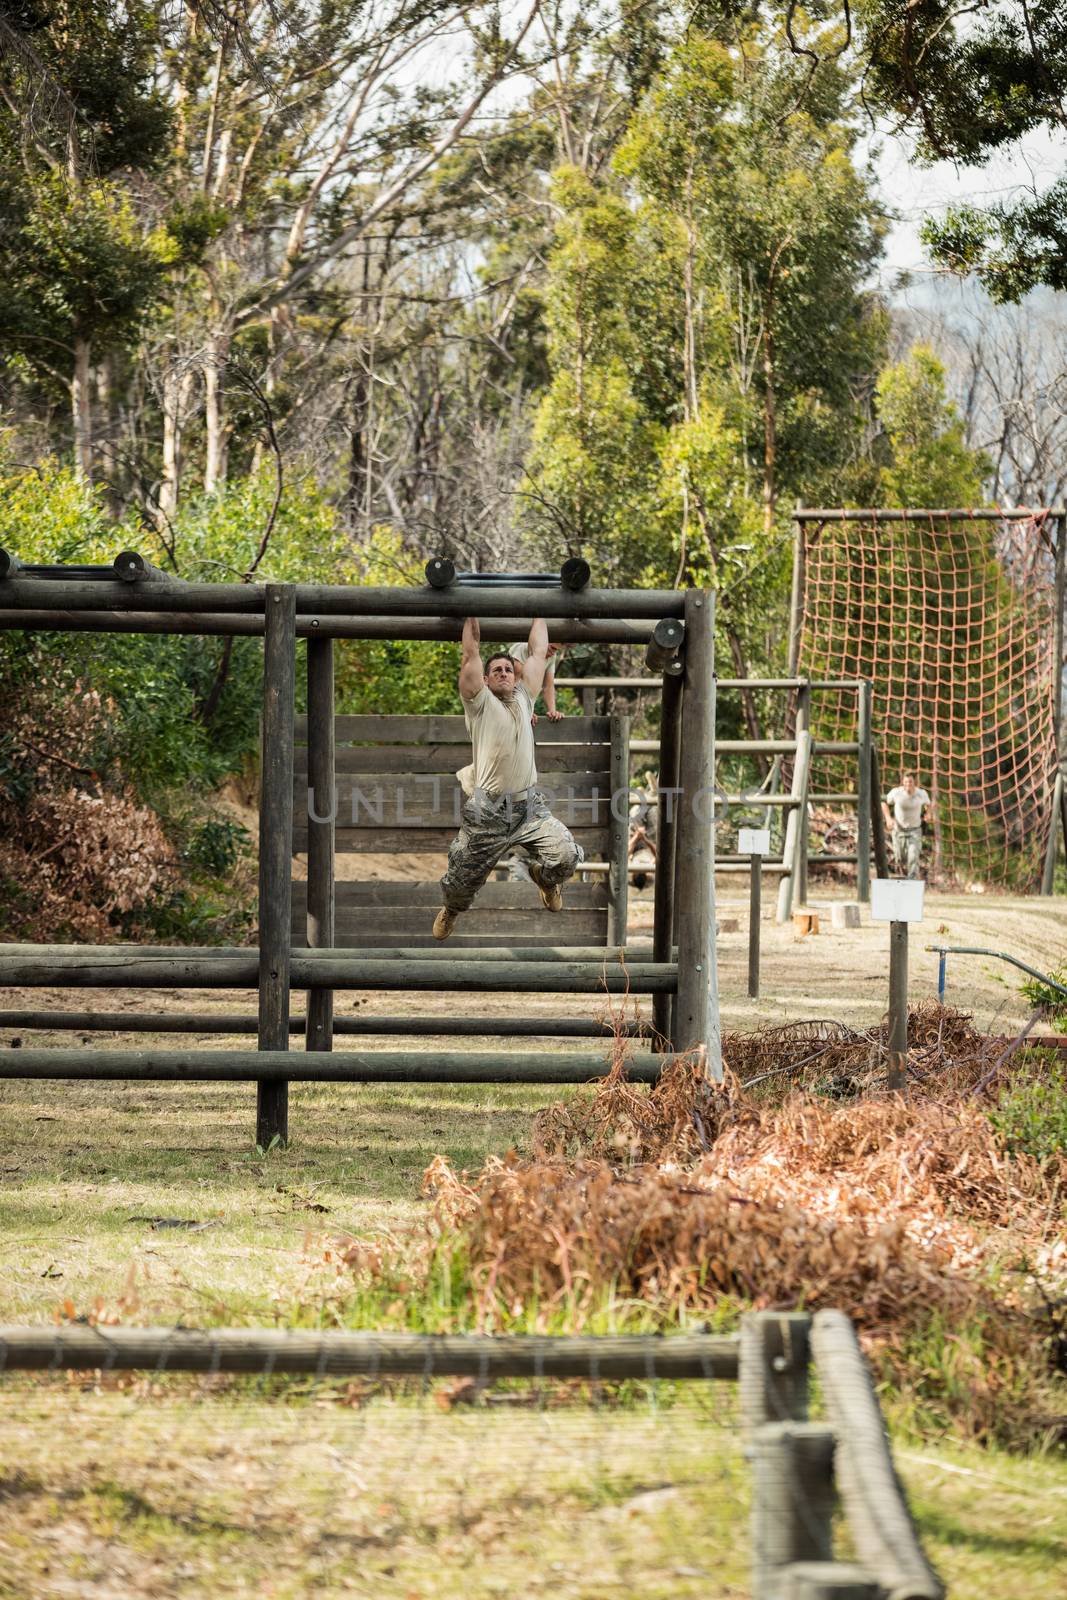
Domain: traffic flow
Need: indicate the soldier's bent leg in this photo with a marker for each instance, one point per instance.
(472, 855)
(551, 845)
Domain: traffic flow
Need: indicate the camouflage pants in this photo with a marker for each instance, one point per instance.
(494, 826)
(907, 847)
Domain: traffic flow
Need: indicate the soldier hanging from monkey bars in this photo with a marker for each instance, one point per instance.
(503, 808)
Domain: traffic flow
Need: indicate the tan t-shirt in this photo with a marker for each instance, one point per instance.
(907, 808)
(521, 653)
(503, 743)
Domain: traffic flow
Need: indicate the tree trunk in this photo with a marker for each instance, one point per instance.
(107, 430)
(82, 411)
(215, 440)
(770, 423)
(177, 389)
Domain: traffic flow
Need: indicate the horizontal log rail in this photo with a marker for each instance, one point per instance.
(933, 514)
(369, 1025)
(313, 970)
(339, 1066)
(280, 1352)
(340, 600)
(116, 954)
(495, 630)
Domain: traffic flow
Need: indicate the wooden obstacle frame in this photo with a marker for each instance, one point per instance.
(802, 752)
(679, 970)
(395, 792)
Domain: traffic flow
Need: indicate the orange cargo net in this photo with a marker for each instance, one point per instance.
(952, 621)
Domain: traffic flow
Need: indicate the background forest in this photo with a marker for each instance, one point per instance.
(316, 288)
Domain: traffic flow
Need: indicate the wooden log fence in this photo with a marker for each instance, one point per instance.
(131, 597)
(799, 1466)
(370, 1024)
(320, 1066)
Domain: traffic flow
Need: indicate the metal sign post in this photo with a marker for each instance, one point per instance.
(755, 843)
(898, 901)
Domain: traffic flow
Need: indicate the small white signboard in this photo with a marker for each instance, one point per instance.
(753, 841)
(897, 899)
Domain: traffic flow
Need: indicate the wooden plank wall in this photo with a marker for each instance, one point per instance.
(397, 794)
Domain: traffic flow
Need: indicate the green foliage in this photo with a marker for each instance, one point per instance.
(1052, 1002)
(1031, 1113)
(971, 82)
(930, 464)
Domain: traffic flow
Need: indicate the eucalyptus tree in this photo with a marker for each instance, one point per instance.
(81, 263)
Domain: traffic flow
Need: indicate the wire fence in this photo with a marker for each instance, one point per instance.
(244, 1461)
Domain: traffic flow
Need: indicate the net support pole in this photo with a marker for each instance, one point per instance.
(801, 784)
(322, 813)
(881, 848)
(670, 732)
(619, 831)
(1058, 622)
(276, 853)
(800, 877)
(796, 594)
(863, 791)
(696, 1012)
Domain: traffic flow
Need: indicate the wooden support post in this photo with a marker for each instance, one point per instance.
(619, 831)
(792, 1501)
(322, 813)
(863, 819)
(276, 852)
(800, 872)
(827, 1580)
(898, 1007)
(881, 848)
(696, 1013)
(773, 1380)
(796, 596)
(670, 735)
(588, 702)
(800, 788)
(755, 879)
(876, 1509)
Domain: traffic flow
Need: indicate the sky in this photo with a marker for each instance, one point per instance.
(912, 192)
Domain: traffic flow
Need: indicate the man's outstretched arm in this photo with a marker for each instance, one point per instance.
(471, 676)
(533, 668)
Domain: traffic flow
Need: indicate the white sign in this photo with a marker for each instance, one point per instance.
(897, 899)
(753, 841)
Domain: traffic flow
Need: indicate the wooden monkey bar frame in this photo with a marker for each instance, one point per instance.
(679, 971)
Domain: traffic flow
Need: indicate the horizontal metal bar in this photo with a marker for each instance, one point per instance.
(998, 955)
(313, 1066)
(368, 1024)
(916, 514)
(760, 747)
(274, 1351)
(341, 600)
(500, 630)
(720, 683)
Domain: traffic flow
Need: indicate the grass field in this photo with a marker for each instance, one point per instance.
(150, 1202)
